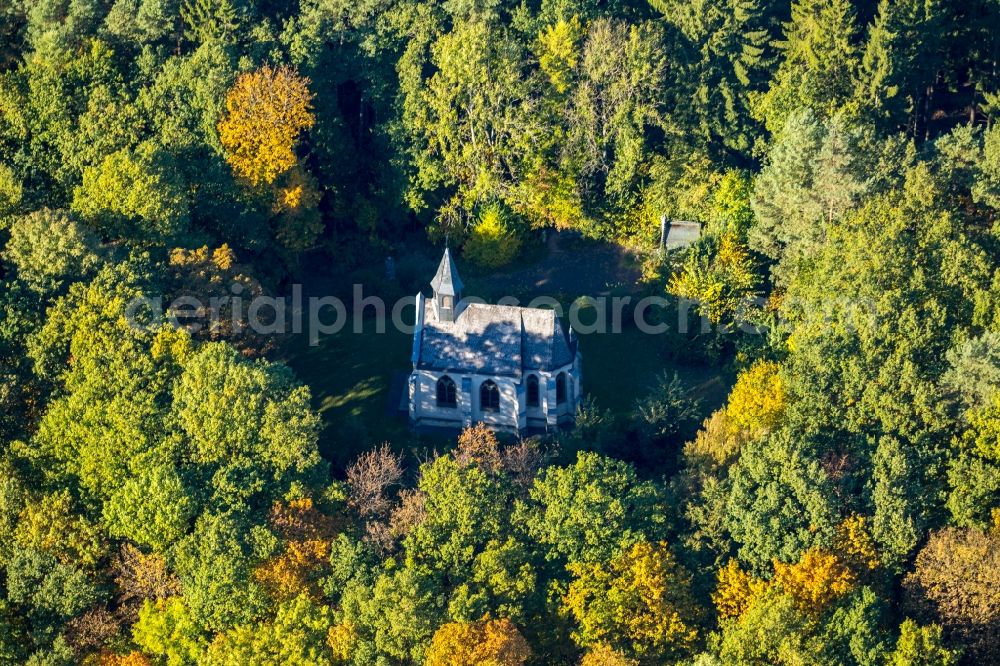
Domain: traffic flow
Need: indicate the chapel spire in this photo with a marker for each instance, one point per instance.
(447, 288)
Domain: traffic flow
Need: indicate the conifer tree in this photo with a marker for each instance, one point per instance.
(819, 65)
(736, 57)
(902, 57)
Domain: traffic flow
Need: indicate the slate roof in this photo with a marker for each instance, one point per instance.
(446, 280)
(681, 233)
(493, 340)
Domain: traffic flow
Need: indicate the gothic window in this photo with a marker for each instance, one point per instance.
(532, 391)
(561, 388)
(489, 396)
(446, 396)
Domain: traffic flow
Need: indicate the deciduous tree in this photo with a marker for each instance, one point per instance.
(266, 113)
(137, 195)
(485, 643)
(955, 581)
(921, 646)
(593, 509)
(720, 276)
(640, 602)
(49, 249)
(780, 503)
(816, 580)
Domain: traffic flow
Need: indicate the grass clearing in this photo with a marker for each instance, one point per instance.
(620, 368)
(355, 376)
(351, 375)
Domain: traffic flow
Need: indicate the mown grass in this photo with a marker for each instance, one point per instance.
(620, 368)
(351, 377)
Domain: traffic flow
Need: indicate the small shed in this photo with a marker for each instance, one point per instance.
(679, 233)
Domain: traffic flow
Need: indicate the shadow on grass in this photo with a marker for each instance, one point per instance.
(350, 375)
(357, 377)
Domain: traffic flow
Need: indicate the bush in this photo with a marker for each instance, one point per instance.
(493, 240)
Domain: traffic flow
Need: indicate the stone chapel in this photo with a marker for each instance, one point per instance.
(510, 367)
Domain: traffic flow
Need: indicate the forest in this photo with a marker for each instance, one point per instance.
(177, 496)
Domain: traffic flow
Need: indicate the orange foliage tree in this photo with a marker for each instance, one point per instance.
(483, 643)
(307, 534)
(815, 580)
(477, 445)
(266, 111)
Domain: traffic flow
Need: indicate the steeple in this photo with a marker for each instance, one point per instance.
(447, 288)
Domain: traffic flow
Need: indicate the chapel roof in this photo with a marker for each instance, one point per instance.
(493, 339)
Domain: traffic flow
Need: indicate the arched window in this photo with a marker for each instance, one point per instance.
(446, 396)
(532, 391)
(561, 388)
(489, 396)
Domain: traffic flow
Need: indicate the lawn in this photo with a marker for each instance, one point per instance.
(619, 368)
(350, 375)
(355, 376)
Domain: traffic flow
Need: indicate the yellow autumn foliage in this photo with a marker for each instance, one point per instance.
(130, 659)
(172, 343)
(296, 203)
(558, 52)
(266, 111)
(483, 643)
(736, 590)
(493, 240)
(855, 545)
(641, 598)
(817, 579)
(307, 533)
(604, 655)
(755, 407)
(292, 573)
(341, 638)
(223, 257)
(300, 519)
(211, 276)
(723, 284)
(203, 258)
(296, 191)
(757, 401)
(715, 445)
